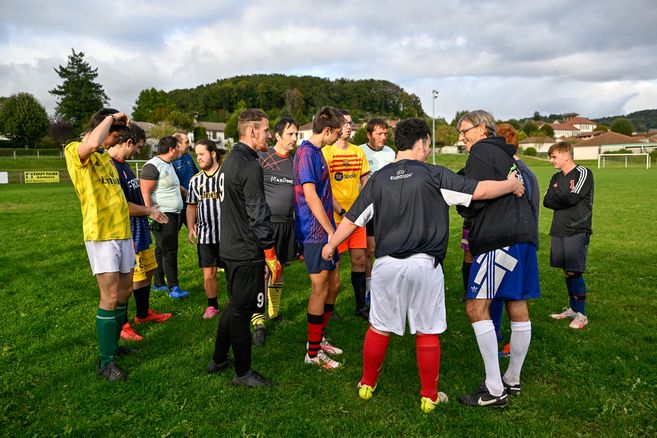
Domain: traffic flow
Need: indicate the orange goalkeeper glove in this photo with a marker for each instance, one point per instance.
(273, 264)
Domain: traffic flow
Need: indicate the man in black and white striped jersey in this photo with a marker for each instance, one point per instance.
(203, 215)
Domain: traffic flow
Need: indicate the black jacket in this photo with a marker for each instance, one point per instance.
(245, 216)
(503, 221)
(571, 198)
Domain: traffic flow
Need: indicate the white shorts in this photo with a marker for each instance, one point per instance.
(111, 255)
(408, 288)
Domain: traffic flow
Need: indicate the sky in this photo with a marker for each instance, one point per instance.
(595, 58)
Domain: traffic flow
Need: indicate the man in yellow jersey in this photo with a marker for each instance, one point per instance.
(106, 229)
(349, 172)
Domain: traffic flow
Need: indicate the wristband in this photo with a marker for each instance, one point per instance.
(342, 212)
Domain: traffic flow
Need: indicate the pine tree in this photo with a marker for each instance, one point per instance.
(79, 96)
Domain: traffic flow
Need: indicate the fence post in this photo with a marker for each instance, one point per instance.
(14, 155)
(37, 154)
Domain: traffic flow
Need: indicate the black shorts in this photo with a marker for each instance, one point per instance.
(569, 253)
(245, 282)
(208, 255)
(284, 238)
(369, 228)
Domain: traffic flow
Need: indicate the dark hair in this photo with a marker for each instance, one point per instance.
(166, 144)
(327, 117)
(100, 115)
(134, 133)
(253, 115)
(409, 131)
(283, 123)
(212, 147)
(344, 112)
(373, 123)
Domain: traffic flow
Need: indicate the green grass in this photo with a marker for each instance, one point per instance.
(600, 381)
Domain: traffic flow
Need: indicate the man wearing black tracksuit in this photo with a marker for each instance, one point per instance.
(244, 233)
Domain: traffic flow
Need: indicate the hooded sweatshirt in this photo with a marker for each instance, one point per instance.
(503, 221)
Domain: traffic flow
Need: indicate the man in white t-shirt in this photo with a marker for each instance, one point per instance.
(378, 155)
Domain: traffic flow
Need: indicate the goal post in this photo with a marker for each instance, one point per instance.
(624, 160)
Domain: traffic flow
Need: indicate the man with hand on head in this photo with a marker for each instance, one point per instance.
(106, 229)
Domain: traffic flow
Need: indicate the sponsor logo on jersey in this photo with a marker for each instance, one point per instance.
(338, 176)
(401, 174)
(281, 180)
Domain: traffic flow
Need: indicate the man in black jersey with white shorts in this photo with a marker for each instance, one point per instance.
(247, 245)
(408, 202)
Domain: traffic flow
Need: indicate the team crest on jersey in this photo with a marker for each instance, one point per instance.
(493, 266)
(338, 176)
(572, 185)
(345, 162)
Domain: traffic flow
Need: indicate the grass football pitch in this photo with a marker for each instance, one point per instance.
(601, 381)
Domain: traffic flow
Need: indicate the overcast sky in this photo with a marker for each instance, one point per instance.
(512, 58)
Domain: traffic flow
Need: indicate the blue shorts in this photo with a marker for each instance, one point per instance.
(509, 273)
(312, 255)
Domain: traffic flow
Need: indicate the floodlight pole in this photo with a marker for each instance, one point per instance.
(434, 95)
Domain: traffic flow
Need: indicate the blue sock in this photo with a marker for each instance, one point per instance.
(496, 308)
(578, 300)
(569, 286)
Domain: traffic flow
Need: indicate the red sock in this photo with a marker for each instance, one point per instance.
(314, 334)
(427, 349)
(328, 311)
(374, 352)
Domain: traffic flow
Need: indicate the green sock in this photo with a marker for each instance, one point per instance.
(105, 331)
(121, 315)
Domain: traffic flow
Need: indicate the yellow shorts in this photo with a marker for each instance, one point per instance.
(145, 263)
(357, 240)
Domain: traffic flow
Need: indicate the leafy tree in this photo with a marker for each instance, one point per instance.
(530, 151)
(622, 126)
(162, 129)
(530, 128)
(61, 131)
(230, 131)
(79, 96)
(546, 130)
(152, 106)
(537, 116)
(522, 135)
(200, 133)
(23, 119)
(446, 135)
(458, 116)
(601, 127)
(515, 123)
(360, 136)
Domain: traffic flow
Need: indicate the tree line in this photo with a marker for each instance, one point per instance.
(24, 120)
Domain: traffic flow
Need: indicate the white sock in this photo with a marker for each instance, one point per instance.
(487, 341)
(521, 336)
(368, 284)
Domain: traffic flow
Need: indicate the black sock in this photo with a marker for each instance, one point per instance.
(240, 341)
(142, 297)
(358, 283)
(213, 302)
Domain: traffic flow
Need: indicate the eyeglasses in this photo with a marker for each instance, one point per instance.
(350, 123)
(463, 131)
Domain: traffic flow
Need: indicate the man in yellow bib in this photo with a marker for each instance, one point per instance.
(106, 229)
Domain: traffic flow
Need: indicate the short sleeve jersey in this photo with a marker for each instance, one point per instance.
(409, 203)
(185, 169)
(141, 235)
(96, 182)
(310, 167)
(346, 167)
(167, 190)
(378, 159)
(279, 185)
(204, 192)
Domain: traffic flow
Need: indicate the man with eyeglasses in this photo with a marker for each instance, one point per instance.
(378, 155)
(503, 241)
(349, 171)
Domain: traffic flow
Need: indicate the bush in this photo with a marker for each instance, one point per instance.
(653, 156)
(530, 151)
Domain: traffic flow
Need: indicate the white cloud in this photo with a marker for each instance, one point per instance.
(512, 58)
